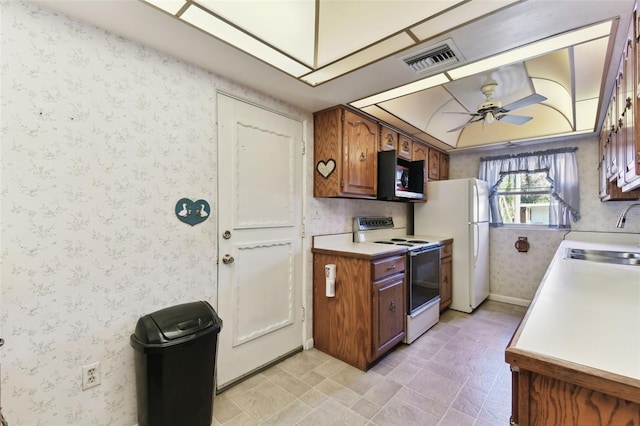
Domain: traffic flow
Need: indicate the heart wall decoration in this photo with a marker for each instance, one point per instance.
(325, 169)
(192, 212)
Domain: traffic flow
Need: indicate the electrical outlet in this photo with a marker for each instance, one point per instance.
(90, 375)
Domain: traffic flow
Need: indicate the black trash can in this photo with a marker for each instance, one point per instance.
(175, 358)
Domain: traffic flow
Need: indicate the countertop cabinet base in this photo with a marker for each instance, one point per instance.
(366, 317)
(540, 399)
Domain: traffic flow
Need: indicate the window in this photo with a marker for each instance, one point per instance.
(524, 198)
(523, 186)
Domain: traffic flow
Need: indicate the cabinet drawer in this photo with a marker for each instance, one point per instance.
(387, 266)
(446, 250)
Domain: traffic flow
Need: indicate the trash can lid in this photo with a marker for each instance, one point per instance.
(176, 322)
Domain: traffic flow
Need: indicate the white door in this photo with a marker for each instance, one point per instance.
(260, 237)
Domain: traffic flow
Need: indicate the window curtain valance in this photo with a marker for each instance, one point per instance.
(561, 167)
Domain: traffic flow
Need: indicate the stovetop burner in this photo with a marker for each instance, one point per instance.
(380, 230)
(402, 242)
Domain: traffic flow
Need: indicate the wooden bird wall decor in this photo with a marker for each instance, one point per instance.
(192, 212)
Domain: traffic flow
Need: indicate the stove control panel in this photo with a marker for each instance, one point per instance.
(367, 223)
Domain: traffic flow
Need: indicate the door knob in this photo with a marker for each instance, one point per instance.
(227, 259)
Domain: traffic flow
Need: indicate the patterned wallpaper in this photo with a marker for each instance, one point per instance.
(515, 276)
(100, 138)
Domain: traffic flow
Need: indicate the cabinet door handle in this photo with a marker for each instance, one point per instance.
(392, 307)
(362, 156)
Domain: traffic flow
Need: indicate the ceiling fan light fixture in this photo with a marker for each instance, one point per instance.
(489, 117)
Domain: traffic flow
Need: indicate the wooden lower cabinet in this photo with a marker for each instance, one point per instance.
(541, 399)
(446, 275)
(366, 317)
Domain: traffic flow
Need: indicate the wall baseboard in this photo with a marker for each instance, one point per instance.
(507, 299)
(308, 344)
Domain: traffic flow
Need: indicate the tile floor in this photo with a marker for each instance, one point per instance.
(454, 374)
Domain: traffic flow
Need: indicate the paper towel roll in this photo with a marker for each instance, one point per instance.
(331, 287)
(330, 271)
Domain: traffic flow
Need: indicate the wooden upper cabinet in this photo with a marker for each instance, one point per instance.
(434, 164)
(420, 152)
(360, 144)
(444, 166)
(346, 154)
(619, 143)
(346, 147)
(630, 165)
(405, 147)
(388, 139)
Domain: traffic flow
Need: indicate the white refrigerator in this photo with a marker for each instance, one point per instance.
(459, 208)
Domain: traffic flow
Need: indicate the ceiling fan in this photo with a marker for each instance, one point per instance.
(491, 110)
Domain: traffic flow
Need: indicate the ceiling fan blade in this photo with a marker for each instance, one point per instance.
(513, 119)
(474, 114)
(465, 124)
(529, 100)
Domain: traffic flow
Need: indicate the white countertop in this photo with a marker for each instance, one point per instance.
(588, 312)
(344, 243)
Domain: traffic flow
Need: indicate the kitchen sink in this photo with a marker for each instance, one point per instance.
(604, 256)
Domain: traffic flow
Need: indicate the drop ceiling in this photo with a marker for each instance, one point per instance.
(318, 53)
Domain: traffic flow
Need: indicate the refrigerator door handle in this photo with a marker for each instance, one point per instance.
(476, 243)
(476, 204)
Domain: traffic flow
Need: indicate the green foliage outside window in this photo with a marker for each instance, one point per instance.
(524, 198)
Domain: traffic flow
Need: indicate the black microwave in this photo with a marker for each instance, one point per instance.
(402, 178)
(399, 179)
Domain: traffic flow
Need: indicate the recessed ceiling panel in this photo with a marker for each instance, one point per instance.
(557, 97)
(360, 59)
(389, 118)
(586, 114)
(589, 60)
(287, 25)
(218, 28)
(554, 66)
(525, 47)
(348, 26)
(460, 15)
(418, 108)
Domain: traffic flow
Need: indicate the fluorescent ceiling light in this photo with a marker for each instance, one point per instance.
(170, 6)
(462, 14)
(220, 29)
(586, 114)
(425, 83)
(360, 59)
(284, 24)
(532, 50)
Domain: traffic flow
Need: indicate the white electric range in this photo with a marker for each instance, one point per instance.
(422, 270)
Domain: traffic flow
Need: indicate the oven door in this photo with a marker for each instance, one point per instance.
(424, 277)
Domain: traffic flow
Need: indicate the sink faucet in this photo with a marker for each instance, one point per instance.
(623, 216)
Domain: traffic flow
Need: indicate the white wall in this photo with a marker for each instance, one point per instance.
(515, 276)
(100, 138)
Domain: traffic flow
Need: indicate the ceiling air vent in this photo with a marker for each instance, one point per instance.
(444, 55)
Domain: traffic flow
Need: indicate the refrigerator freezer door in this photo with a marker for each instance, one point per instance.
(479, 193)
